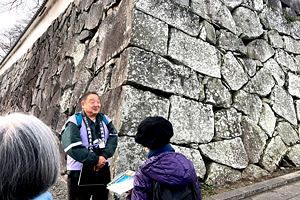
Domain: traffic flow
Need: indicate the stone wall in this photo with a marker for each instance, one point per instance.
(224, 72)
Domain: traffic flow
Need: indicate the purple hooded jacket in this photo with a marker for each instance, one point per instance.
(168, 168)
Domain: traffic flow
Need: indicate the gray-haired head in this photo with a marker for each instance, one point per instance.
(29, 157)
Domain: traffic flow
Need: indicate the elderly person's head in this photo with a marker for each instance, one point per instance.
(29, 157)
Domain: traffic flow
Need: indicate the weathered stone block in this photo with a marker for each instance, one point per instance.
(149, 33)
(228, 152)
(250, 104)
(259, 49)
(275, 39)
(233, 72)
(254, 140)
(254, 172)
(171, 13)
(153, 71)
(247, 23)
(273, 153)
(195, 53)
(291, 45)
(294, 155)
(217, 93)
(286, 60)
(227, 124)
(272, 66)
(231, 42)
(283, 104)
(216, 11)
(219, 174)
(294, 84)
(267, 119)
(193, 122)
(261, 84)
(288, 135)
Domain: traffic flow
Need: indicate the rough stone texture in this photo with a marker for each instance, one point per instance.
(231, 42)
(195, 156)
(267, 120)
(247, 23)
(214, 10)
(274, 20)
(273, 153)
(288, 135)
(275, 39)
(295, 30)
(233, 72)
(291, 45)
(294, 84)
(128, 106)
(217, 94)
(250, 104)
(231, 4)
(219, 174)
(150, 70)
(254, 172)
(149, 33)
(254, 140)
(256, 5)
(261, 84)
(283, 104)
(172, 13)
(272, 66)
(195, 53)
(249, 66)
(228, 152)
(294, 155)
(192, 121)
(207, 32)
(259, 49)
(286, 60)
(227, 124)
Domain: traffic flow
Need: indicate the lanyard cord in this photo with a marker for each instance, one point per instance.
(89, 134)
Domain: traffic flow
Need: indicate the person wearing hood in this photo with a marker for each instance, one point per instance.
(164, 165)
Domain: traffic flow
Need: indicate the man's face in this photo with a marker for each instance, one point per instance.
(91, 105)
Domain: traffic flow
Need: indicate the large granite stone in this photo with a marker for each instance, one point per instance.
(274, 20)
(247, 23)
(278, 74)
(291, 45)
(260, 50)
(267, 120)
(193, 122)
(231, 42)
(283, 104)
(275, 39)
(286, 60)
(171, 13)
(294, 84)
(256, 5)
(294, 155)
(150, 70)
(273, 154)
(249, 104)
(195, 53)
(149, 33)
(288, 135)
(249, 65)
(261, 84)
(254, 139)
(218, 175)
(254, 172)
(233, 72)
(227, 152)
(217, 94)
(227, 124)
(232, 4)
(215, 11)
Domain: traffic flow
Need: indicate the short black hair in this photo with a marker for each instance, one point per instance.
(154, 132)
(85, 95)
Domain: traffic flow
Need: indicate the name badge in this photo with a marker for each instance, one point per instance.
(101, 144)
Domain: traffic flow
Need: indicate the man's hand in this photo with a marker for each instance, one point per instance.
(101, 163)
